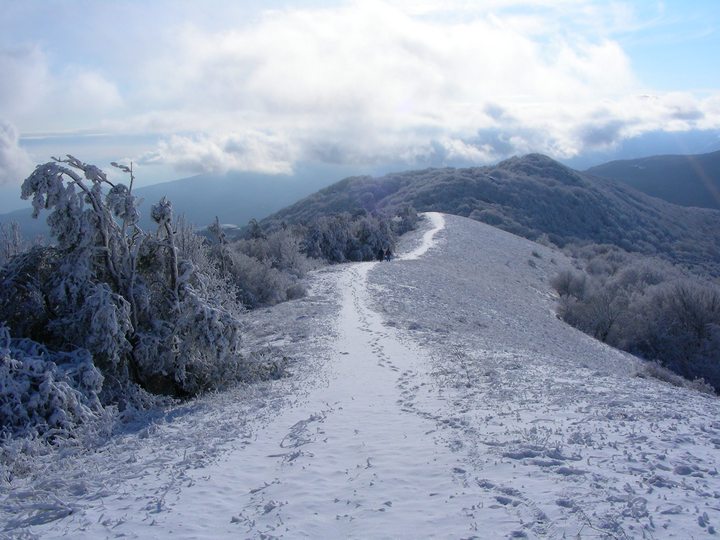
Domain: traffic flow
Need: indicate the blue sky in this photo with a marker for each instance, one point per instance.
(181, 87)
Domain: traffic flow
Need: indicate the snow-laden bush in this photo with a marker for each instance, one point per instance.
(569, 284)
(405, 221)
(654, 370)
(148, 308)
(279, 249)
(11, 241)
(371, 233)
(679, 324)
(258, 283)
(330, 238)
(339, 238)
(45, 393)
(265, 269)
(646, 307)
(284, 253)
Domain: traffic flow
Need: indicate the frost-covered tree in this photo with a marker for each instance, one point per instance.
(149, 308)
(11, 241)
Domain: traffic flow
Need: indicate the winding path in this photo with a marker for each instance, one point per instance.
(436, 396)
(355, 460)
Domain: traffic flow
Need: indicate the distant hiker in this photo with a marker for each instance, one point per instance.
(381, 254)
(388, 254)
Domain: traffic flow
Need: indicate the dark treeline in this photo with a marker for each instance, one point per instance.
(646, 306)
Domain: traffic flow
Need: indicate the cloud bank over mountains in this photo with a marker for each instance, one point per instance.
(14, 161)
(360, 82)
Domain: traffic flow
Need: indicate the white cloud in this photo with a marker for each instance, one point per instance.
(89, 92)
(39, 100)
(458, 150)
(364, 82)
(24, 81)
(247, 150)
(15, 165)
(373, 82)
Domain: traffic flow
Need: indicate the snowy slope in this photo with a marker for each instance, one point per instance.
(433, 396)
(564, 438)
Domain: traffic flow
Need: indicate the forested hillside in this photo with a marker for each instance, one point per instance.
(692, 180)
(535, 197)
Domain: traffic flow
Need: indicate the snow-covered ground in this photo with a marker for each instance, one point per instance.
(433, 396)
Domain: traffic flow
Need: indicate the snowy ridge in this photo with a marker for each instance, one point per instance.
(437, 398)
(564, 437)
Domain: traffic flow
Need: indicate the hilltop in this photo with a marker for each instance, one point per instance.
(534, 197)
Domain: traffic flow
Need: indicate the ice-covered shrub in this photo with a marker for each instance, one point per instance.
(372, 233)
(329, 238)
(651, 369)
(406, 220)
(284, 252)
(194, 352)
(264, 269)
(266, 265)
(258, 283)
(148, 308)
(280, 249)
(680, 327)
(569, 284)
(339, 238)
(647, 307)
(11, 241)
(596, 313)
(45, 393)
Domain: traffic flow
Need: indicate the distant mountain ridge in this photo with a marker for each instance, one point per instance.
(533, 196)
(233, 197)
(687, 180)
(530, 196)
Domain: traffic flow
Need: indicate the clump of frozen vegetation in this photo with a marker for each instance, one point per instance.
(268, 262)
(265, 268)
(338, 238)
(108, 306)
(110, 315)
(11, 241)
(45, 393)
(648, 307)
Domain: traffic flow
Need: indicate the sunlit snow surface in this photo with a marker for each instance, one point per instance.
(433, 396)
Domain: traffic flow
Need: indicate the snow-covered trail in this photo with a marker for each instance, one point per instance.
(437, 223)
(562, 430)
(434, 396)
(355, 459)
